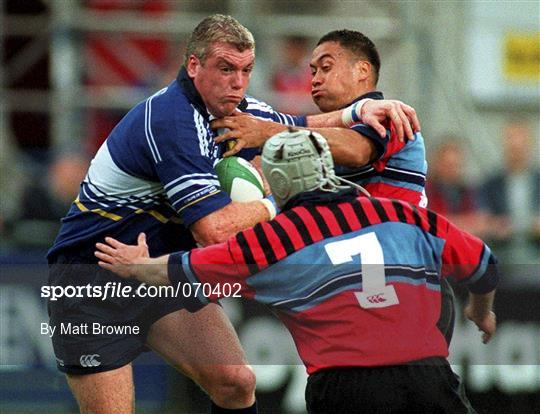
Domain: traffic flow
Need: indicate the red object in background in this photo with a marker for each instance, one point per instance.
(125, 59)
(121, 60)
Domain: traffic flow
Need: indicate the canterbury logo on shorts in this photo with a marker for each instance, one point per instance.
(89, 361)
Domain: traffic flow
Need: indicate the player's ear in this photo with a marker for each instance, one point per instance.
(193, 65)
(363, 69)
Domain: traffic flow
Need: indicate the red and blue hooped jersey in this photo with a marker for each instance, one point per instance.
(356, 283)
(400, 169)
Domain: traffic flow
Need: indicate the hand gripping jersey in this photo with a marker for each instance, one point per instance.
(399, 170)
(356, 283)
(154, 173)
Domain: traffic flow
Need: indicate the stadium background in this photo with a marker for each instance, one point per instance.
(71, 68)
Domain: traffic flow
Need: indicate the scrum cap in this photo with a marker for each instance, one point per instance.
(296, 161)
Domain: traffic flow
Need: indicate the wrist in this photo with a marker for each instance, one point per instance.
(353, 113)
(270, 207)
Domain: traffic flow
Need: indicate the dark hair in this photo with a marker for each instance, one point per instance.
(358, 44)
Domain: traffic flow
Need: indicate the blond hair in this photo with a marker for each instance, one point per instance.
(217, 28)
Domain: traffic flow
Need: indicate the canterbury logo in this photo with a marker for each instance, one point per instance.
(88, 361)
(376, 298)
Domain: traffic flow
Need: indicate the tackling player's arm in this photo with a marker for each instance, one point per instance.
(468, 260)
(250, 132)
(349, 148)
(214, 264)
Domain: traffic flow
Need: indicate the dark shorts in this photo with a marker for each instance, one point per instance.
(427, 386)
(448, 311)
(94, 335)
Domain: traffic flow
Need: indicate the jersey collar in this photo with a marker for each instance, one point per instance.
(371, 95)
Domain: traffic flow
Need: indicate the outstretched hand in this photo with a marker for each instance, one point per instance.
(401, 115)
(121, 258)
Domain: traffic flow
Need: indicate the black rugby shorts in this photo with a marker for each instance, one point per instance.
(94, 335)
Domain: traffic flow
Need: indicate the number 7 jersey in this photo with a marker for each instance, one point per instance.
(356, 283)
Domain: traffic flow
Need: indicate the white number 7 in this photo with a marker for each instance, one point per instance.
(375, 293)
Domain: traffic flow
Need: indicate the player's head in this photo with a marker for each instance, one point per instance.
(299, 161)
(219, 58)
(518, 145)
(345, 64)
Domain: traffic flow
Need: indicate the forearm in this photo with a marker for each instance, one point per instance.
(348, 147)
(152, 271)
(329, 119)
(480, 305)
(226, 222)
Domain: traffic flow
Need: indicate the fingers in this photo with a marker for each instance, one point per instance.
(234, 150)
(411, 115)
(407, 129)
(221, 122)
(141, 240)
(104, 257)
(397, 120)
(376, 125)
(224, 137)
(105, 248)
(114, 243)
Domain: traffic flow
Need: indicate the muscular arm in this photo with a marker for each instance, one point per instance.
(374, 113)
(349, 148)
(227, 221)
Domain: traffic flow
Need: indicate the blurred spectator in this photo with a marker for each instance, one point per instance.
(291, 80)
(511, 196)
(448, 191)
(46, 200)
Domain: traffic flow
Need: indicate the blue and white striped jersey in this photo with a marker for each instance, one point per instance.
(154, 174)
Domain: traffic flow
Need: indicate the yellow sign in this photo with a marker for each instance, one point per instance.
(522, 56)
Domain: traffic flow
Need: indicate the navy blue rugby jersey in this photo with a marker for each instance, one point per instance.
(154, 174)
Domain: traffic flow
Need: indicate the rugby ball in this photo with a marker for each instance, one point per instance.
(240, 179)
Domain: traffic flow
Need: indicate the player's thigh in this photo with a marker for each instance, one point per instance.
(195, 342)
(109, 392)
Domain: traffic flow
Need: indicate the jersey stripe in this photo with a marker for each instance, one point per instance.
(249, 260)
(417, 218)
(432, 219)
(283, 237)
(348, 212)
(359, 211)
(319, 220)
(399, 211)
(299, 224)
(265, 244)
(340, 218)
(380, 210)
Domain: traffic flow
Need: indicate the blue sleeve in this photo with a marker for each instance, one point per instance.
(185, 165)
(178, 269)
(373, 136)
(191, 185)
(263, 110)
(489, 279)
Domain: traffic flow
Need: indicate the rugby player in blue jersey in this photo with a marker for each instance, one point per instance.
(155, 174)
